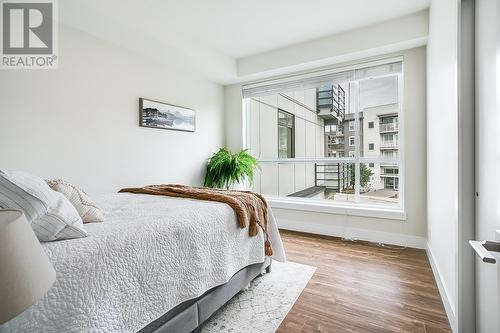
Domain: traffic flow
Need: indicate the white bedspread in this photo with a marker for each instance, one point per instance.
(150, 254)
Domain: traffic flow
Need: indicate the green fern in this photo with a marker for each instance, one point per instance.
(225, 169)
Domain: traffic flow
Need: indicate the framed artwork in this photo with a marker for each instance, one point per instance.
(166, 116)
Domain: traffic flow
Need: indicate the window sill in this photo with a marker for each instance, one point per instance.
(318, 206)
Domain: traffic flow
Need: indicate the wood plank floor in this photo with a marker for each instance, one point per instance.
(360, 287)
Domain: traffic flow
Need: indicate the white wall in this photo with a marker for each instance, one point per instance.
(80, 122)
(442, 148)
(411, 232)
(394, 35)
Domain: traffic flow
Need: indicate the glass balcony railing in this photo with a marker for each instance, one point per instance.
(335, 133)
(336, 146)
(389, 127)
(389, 144)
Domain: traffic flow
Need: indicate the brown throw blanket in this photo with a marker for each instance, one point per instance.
(250, 207)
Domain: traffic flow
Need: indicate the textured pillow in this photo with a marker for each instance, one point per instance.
(86, 208)
(50, 214)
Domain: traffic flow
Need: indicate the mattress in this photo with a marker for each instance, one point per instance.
(151, 254)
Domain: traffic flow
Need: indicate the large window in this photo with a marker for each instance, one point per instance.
(337, 135)
(286, 130)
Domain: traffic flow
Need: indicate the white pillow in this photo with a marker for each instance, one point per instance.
(50, 214)
(85, 206)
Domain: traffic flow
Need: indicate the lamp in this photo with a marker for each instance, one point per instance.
(26, 273)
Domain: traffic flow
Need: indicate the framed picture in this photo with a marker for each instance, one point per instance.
(166, 116)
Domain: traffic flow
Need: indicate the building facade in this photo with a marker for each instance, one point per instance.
(317, 123)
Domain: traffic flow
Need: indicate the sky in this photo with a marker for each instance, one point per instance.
(378, 91)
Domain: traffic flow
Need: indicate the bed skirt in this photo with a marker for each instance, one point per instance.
(190, 315)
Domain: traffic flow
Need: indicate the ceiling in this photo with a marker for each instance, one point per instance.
(227, 29)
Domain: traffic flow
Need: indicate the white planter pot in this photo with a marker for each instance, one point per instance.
(241, 186)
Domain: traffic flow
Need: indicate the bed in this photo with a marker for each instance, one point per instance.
(157, 264)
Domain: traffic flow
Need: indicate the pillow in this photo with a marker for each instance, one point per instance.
(86, 208)
(50, 214)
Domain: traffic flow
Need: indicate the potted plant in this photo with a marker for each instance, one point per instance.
(230, 171)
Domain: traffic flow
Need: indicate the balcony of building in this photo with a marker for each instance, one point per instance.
(389, 171)
(389, 127)
(337, 133)
(331, 102)
(389, 144)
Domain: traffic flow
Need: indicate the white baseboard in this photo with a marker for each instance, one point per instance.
(355, 233)
(448, 306)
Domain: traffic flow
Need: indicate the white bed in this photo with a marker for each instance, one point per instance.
(151, 254)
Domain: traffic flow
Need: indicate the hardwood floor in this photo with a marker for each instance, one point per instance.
(360, 287)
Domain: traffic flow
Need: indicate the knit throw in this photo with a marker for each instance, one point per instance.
(250, 207)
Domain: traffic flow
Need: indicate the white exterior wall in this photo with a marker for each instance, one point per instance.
(284, 179)
(372, 135)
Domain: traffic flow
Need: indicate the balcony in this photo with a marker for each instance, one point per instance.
(389, 145)
(335, 133)
(389, 174)
(388, 127)
(334, 177)
(336, 146)
(330, 102)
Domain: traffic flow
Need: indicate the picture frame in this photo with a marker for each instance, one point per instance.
(161, 115)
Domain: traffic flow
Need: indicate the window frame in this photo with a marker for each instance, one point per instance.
(353, 127)
(292, 146)
(394, 212)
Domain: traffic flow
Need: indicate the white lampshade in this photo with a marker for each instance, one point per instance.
(26, 273)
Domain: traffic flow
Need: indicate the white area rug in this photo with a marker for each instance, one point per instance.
(262, 307)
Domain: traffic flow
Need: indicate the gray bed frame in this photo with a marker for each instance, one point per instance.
(189, 316)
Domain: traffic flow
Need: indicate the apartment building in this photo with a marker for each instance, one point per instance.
(381, 140)
(285, 126)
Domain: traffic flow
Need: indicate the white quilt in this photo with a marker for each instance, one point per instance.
(149, 255)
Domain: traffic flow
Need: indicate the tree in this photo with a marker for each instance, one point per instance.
(365, 173)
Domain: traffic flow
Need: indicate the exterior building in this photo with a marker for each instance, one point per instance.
(285, 125)
(339, 138)
(316, 123)
(381, 140)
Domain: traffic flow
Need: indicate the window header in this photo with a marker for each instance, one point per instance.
(323, 77)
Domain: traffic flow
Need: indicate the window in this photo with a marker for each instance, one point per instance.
(351, 126)
(330, 158)
(387, 170)
(389, 154)
(286, 134)
(389, 124)
(391, 183)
